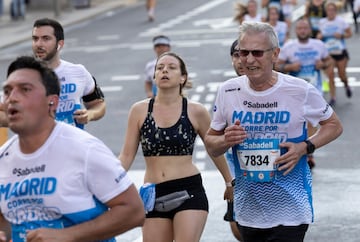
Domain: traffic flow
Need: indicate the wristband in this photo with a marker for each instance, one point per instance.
(310, 147)
(230, 184)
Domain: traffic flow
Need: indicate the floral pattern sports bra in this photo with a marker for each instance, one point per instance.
(178, 139)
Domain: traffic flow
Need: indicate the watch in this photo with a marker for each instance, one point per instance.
(230, 184)
(310, 147)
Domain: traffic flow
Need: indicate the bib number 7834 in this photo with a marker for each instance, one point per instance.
(256, 158)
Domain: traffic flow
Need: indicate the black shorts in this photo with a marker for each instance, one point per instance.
(194, 187)
(278, 234)
(342, 56)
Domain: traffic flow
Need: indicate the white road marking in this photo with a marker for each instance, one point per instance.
(200, 88)
(217, 23)
(125, 78)
(108, 37)
(181, 18)
(111, 88)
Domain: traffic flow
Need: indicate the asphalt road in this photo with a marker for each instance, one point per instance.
(115, 47)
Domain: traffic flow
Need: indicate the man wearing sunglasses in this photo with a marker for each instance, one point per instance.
(263, 116)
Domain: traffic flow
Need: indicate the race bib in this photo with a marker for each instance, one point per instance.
(334, 46)
(256, 158)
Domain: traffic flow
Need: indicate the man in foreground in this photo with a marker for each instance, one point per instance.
(57, 182)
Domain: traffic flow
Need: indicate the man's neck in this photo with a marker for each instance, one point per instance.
(264, 85)
(304, 41)
(53, 64)
(31, 142)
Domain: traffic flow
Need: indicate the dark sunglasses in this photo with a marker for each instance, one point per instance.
(236, 54)
(255, 53)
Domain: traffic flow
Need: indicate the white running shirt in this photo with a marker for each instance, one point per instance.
(149, 74)
(306, 54)
(278, 114)
(281, 30)
(328, 28)
(65, 182)
(75, 82)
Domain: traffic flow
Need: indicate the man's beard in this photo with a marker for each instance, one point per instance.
(303, 38)
(48, 57)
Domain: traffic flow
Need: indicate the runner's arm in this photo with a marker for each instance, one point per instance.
(126, 211)
(5, 230)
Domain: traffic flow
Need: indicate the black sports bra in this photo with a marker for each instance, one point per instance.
(178, 139)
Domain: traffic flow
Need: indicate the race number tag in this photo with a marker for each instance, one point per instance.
(334, 46)
(256, 158)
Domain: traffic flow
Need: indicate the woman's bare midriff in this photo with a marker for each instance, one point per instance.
(164, 168)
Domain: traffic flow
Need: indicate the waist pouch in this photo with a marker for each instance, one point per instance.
(171, 201)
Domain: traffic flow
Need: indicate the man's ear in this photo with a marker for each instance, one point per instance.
(53, 101)
(275, 54)
(60, 45)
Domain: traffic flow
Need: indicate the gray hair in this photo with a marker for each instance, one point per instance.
(259, 27)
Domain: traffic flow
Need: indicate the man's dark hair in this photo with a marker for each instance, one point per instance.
(48, 77)
(58, 29)
(233, 46)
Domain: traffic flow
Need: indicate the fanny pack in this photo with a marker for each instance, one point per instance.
(171, 201)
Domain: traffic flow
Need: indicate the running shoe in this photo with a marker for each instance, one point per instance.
(325, 86)
(332, 102)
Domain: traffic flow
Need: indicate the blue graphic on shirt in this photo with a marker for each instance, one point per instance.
(307, 58)
(27, 208)
(28, 187)
(65, 112)
(281, 37)
(68, 105)
(263, 124)
(314, 20)
(310, 74)
(272, 117)
(18, 232)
